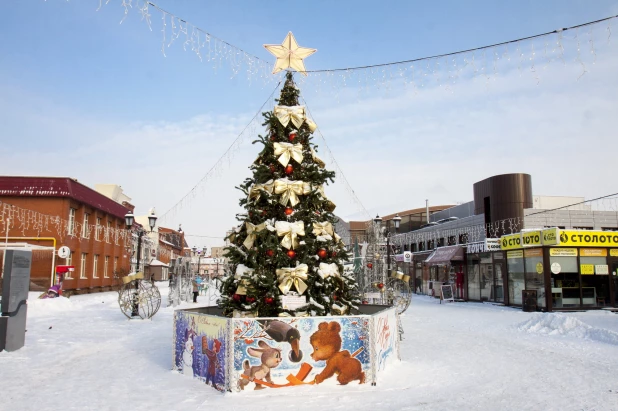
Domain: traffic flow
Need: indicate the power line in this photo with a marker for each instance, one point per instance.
(468, 50)
(571, 205)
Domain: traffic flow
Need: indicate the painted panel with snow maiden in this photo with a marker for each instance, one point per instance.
(200, 346)
(283, 352)
(386, 342)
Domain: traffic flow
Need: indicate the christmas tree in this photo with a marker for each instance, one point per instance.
(285, 257)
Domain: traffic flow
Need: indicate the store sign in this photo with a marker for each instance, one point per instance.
(531, 238)
(539, 268)
(509, 242)
(601, 269)
(515, 254)
(613, 252)
(556, 268)
(593, 252)
(563, 252)
(407, 256)
(586, 269)
(585, 238)
(486, 246)
(535, 252)
(551, 236)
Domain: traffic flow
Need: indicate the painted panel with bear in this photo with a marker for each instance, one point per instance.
(282, 352)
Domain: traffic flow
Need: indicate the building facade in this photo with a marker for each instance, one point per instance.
(60, 211)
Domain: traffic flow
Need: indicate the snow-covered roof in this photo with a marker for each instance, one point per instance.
(157, 263)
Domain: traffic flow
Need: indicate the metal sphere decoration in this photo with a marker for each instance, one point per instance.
(139, 298)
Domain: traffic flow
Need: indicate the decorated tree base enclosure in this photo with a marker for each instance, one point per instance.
(288, 314)
(240, 354)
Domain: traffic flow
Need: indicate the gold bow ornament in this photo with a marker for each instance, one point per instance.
(132, 277)
(317, 159)
(290, 233)
(328, 270)
(339, 239)
(242, 270)
(251, 231)
(256, 189)
(285, 114)
(323, 231)
(293, 276)
(285, 151)
(289, 190)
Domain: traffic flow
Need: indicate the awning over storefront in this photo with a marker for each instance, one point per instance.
(421, 255)
(444, 255)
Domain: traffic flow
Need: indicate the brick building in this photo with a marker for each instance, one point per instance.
(60, 211)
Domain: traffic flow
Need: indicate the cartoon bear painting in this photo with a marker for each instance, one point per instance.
(326, 343)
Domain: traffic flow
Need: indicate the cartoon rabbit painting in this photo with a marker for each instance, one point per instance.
(270, 357)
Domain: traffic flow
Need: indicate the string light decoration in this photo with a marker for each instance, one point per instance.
(23, 219)
(226, 157)
(484, 63)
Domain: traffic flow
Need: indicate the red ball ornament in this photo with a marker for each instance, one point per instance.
(263, 212)
(335, 298)
(380, 286)
(288, 211)
(273, 137)
(334, 254)
(272, 168)
(369, 265)
(322, 253)
(292, 136)
(270, 253)
(250, 300)
(269, 300)
(291, 253)
(289, 169)
(236, 297)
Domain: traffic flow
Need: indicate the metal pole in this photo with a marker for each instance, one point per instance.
(135, 311)
(388, 255)
(6, 244)
(427, 210)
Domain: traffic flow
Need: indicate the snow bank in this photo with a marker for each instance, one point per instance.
(560, 324)
(49, 306)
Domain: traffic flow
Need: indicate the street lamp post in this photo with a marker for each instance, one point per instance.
(199, 256)
(129, 219)
(387, 233)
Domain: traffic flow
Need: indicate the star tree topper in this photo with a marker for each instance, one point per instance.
(289, 54)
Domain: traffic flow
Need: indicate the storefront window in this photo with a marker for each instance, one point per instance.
(534, 273)
(595, 277)
(515, 263)
(474, 292)
(486, 275)
(564, 277)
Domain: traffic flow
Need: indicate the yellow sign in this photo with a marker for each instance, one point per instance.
(511, 241)
(539, 268)
(586, 269)
(551, 236)
(593, 252)
(531, 238)
(563, 252)
(586, 238)
(613, 252)
(533, 252)
(515, 254)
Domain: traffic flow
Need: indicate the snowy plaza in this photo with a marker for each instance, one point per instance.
(82, 354)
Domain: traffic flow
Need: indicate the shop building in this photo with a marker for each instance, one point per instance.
(461, 246)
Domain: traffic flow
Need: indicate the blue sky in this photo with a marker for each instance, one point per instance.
(77, 88)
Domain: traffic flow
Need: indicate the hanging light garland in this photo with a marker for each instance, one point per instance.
(530, 54)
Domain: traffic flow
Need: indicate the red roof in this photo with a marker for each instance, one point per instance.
(59, 187)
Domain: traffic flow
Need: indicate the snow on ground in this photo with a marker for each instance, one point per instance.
(83, 354)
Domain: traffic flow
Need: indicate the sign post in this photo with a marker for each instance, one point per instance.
(15, 287)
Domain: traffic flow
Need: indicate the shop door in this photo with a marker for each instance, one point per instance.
(613, 265)
(499, 282)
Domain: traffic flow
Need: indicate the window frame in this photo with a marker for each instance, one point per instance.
(71, 225)
(82, 268)
(95, 264)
